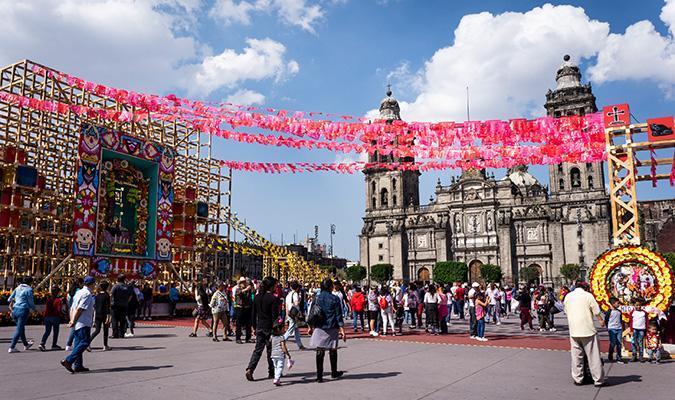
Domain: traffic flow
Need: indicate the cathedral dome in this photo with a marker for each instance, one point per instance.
(389, 108)
(568, 75)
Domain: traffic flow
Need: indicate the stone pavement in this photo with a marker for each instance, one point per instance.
(163, 363)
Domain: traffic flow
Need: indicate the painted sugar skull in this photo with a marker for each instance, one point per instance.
(163, 248)
(84, 239)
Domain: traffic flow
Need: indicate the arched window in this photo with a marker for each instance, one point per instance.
(393, 200)
(393, 184)
(575, 176)
(560, 168)
(373, 202)
(590, 182)
(384, 197)
(561, 184)
(373, 188)
(589, 166)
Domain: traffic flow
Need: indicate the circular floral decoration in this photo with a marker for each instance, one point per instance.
(108, 165)
(629, 273)
(124, 163)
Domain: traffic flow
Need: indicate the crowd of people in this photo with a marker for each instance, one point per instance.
(270, 314)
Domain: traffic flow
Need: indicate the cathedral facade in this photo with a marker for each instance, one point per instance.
(512, 221)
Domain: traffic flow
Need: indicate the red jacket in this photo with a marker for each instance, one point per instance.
(357, 302)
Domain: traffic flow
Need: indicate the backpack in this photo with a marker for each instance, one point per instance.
(383, 303)
(412, 301)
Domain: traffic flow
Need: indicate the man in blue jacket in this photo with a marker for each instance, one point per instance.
(21, 303)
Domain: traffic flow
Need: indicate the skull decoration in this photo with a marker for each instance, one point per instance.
(163, 247)
(84, 239)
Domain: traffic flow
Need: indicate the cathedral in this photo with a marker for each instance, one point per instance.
(513, 221)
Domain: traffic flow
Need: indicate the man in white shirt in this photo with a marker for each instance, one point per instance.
(581, 307)
(473, 323)
(81, 318)
(494, 295)
(292, 302)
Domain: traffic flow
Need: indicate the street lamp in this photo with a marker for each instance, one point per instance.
(390, 231)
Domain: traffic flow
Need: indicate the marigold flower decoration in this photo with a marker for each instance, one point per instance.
(631, 272)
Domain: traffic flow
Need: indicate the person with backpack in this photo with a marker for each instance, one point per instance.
(356, 303)
(385, 302)
(293, 314)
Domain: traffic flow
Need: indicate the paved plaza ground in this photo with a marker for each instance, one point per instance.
(161, 362)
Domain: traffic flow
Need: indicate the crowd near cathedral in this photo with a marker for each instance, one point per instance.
(513, 221)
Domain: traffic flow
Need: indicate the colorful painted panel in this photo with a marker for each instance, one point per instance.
(92, 141)
(132, 268)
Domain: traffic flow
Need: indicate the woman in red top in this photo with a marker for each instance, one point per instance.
(53, 313)
(356, 303)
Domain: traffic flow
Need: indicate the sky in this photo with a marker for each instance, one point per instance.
(338, 56)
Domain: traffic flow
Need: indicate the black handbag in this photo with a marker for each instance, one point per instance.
(294, 312)
(315, 316)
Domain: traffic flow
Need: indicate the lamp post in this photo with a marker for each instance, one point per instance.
(390, 231)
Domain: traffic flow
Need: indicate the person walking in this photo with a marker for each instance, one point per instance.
(219, 311)
(201, 312)
(54, 309)
(79, 282)
(473, 329)
(525, 305)
(357, 303)
(279, 352)
(133, 309)
(242, 310)
(494, 298)
(147, 302)
(326, 336)
(174, 297)
(293, 314)
(81, 318)
(581, 307)
(266, 311)
(120, 296)
(102, 315)
(21, 303)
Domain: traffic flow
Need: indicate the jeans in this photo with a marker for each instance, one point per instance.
(147, 309)
(82, 340)
(71, 337)
(638, 343)
(20, 333)
(51, 323)
(458, 306)
(614, 343)
(480, 327)
(262, 340)
(410, 317)
(473, 330)
(172, 309)
(278, 367)
(293, 330)
(494, 311)
(98, 323)
(356, 315)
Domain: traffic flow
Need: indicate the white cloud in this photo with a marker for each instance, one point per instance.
(292, 12)
(245, 97)
(140, 45)
(640, 53)
(508, 61)
(262, 59)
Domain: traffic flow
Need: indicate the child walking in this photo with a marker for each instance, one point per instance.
(653, 341)
(279, 352)
(614, 323)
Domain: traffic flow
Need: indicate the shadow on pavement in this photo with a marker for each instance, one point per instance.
(156, 335)
(136, 348)
(618, 380)
(308, 377)
(134, 368)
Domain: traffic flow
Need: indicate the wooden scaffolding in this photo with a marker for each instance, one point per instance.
(35, 222)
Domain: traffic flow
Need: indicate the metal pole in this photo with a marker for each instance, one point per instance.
(229, 219)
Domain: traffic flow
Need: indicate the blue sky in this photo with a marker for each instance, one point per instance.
(337, 56)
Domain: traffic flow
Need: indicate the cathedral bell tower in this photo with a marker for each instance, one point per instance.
(388, 190)
(573, 181)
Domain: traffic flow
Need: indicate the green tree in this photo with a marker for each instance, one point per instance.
(450, 271)
(529, 274)
(670, 258)
(356, 273)
(491, 273)
(381, 272)
(571, 272)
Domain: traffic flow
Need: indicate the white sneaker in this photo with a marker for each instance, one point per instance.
(376, 334)
(552, 329)
(472, 337)
(128, 335)
(483, 339)
(499, 323)
(13, 350)
(29, 345)
(69, 348)
(541, 329)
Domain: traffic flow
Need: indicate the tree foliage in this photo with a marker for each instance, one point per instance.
(381, 272)
(356, 273)
(450, 271)
(529, 274)
(491, 273)
(571, 272)
(670, 258)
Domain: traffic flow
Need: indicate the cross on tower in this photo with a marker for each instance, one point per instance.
(615, 114)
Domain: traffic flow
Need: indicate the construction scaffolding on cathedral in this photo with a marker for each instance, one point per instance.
(87, 196)
(514, 221)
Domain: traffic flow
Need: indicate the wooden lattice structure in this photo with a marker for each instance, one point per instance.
(37, 238)
(629, 155)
